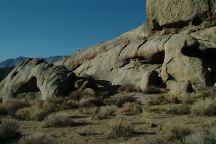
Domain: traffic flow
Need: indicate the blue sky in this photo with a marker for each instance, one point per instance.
(42, 28)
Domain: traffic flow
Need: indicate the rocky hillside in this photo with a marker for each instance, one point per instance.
(13, 62)
(175, 49)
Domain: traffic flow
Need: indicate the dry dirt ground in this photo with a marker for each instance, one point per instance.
(151, 126)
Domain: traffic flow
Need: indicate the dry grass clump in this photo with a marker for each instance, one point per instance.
(163, 99)
(91, 102)
(119, 101)
(186, 99)
(9, 130)
(99, 112)
(11, 106)
(105, 112)
(131, 109)
(203, 136)
(181, 109)
(24, 114)
(40, 109)
(206, 106)
(37, 138)
(57, 120)
(121, 129)
(178, 132)
(210, 92)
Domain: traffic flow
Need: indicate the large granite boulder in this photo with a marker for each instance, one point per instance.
(177, 44)
(36, 75)
(179, 13)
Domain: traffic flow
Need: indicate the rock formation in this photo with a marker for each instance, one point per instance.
(175, 48)
(36, 75)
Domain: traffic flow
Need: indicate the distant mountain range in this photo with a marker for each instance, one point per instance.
(12, 62)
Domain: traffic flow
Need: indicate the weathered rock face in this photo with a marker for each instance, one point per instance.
(179, 13)
(35, 75)
(176, 47)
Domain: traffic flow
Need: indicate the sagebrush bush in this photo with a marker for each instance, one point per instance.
(203, 136)
(131, 109)
(91, 102)
(119, 101)
(206, 106)
(38, 138)
(24, 113)
(178, 132)
(179, 109)
(186, 99)
(121, 129)
(11, 106)
(57, 120)
(91, 111)
(163, 99)
(105, 111)
(9, 130)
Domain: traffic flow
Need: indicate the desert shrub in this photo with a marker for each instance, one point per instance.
(57, 120)
(163, 99)
(121, 129)
(208, 93)
(80, 94)
(11, 106)
(9, 130)
(131, 109)
(41, 109)
(37, 138)
(179, 109)
(203, 136)
(186, 99)
(72, 104)
(128, 88)
(105, 111)
(178, 132)
(203, 107)
(91, 111)
(24, 113)
(119, 101)
(91, 102)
